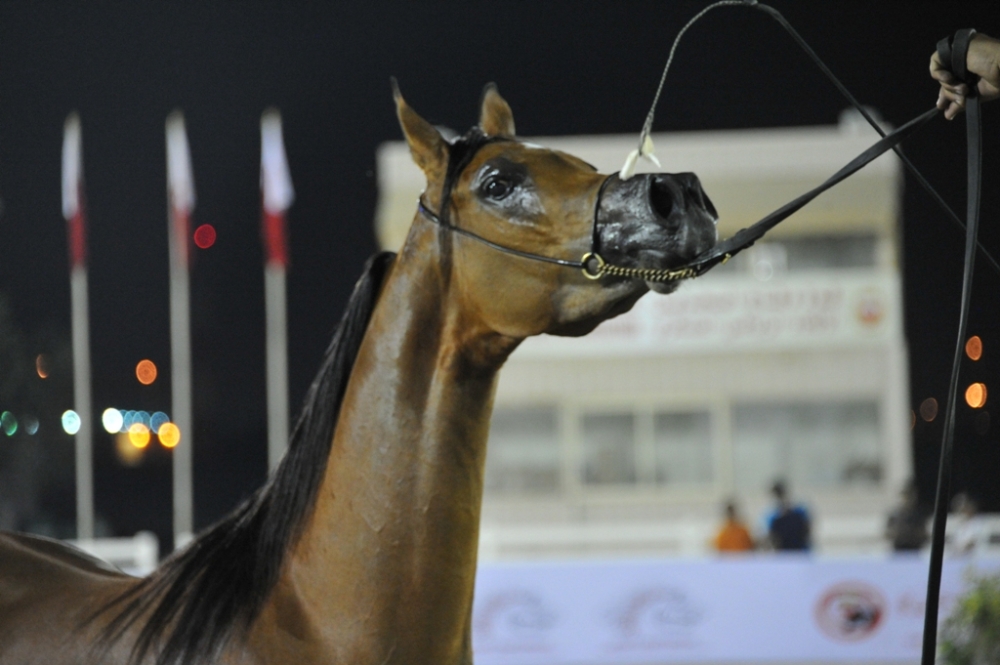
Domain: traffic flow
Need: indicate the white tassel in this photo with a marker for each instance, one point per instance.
(628, 170)
(646, 152)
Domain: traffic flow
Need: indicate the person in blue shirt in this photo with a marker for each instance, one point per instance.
(789, 527)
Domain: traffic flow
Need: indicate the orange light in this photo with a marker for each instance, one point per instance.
(974, 347)
(41, 366)
(929, 409)
(145, 371)
(138, 435)
(975, 395)
(170, 435)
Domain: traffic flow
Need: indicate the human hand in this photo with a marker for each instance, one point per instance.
(983, 59)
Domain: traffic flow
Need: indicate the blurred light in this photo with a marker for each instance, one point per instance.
(127, 453)
(113, 420)
(8, 423)
(156, 421)
(170, 435)
(143, 418)
(975, 395)
(983, 423)
(42, 365)
(138, 435)
(31, 425)
(71, 422)
(204, 236)
(145, 371)
(929, 409)
(974, 347)
(128, 417)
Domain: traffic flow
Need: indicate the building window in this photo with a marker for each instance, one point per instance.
(609, 449)
(798, 254)
(523, 453)
(682, 444)
(819, 445)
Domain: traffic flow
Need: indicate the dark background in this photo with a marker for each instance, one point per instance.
(566, 67)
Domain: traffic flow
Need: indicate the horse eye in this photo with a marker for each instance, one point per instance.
(497, 188)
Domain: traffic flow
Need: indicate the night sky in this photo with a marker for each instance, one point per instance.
(566, 67)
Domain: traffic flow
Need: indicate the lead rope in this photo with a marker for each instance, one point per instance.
(645, 148)
(954, 52)
(951, 51)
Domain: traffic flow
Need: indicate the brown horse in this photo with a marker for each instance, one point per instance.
(362, 546)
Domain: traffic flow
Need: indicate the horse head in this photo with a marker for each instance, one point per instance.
(517, 222)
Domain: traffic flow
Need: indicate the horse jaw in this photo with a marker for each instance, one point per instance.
(584, 323)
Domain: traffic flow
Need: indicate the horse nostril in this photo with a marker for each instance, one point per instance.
(694, 192)
(660, 197)
(707, 202)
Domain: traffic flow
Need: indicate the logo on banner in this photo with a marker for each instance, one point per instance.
(850, 611)
(656, 617)
(511, 621)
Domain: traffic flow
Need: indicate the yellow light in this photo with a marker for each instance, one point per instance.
(170, 435)
(974, 348)
(975, 395)
(145, 371)
(138, 434)
(125, 450)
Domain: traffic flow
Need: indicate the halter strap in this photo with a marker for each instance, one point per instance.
(595, 267)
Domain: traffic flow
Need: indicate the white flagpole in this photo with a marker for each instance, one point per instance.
(72, 184)
(277, 195)
(180, 204)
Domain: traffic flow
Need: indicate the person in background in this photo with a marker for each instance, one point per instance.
(906, 527)
(789, 527)
(983, 60)
(968, 527)
(733, 536)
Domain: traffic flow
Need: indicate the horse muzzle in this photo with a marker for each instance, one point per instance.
(654, 221)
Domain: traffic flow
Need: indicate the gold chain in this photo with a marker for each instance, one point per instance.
(646, 274)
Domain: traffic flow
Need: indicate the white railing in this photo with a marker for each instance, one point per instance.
(137, 555)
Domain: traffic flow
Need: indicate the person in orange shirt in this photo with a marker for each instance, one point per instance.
(733, 536)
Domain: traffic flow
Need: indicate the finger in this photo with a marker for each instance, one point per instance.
(956, 89)
(954, 108)
(939, 71)
(951, 95)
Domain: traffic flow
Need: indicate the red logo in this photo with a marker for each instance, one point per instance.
(850, 611)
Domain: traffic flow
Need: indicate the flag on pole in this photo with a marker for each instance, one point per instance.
(276, 187)
(180, 204)
(180, 185)
(73, 212)
(277, 195)
(72, 190)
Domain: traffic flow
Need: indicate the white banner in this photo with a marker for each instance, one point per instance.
(743, 610)
(731, 313)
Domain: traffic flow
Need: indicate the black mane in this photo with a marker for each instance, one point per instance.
(211, 591)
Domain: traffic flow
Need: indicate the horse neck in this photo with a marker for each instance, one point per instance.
(393, 539)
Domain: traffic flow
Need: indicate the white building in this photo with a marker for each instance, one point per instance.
(788, 362)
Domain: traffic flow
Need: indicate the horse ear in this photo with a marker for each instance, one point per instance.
(495, 118)
(427, 147)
